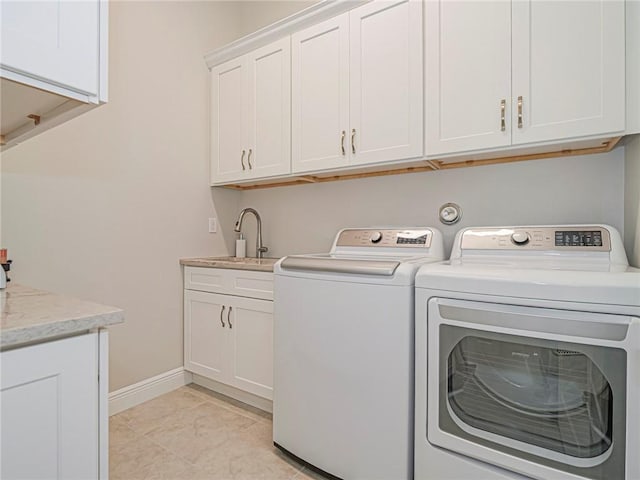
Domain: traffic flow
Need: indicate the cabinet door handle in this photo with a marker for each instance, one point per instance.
(344, 134)
(353, 141)
(503, 108)
(242, 159)
(221, 314)
(249, 160)
(229, 317)
(520, 111)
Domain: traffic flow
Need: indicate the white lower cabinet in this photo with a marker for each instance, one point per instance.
(53, 423)
(229, 338)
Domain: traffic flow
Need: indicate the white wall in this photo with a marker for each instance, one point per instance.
(255, 14)
(305, 218)
(632, 200)
(102, 207)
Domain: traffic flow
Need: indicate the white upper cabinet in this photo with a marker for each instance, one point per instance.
(229, 120)
(523, 72)
(468, 75)
(269, 113)
(320, 95)
(53, 64)
(53, 42)
(251, 115)
(357, 88)
(568, 69)
(386, 82)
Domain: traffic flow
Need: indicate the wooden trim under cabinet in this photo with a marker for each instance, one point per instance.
(426, 166)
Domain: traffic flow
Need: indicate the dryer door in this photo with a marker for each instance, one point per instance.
(518, 386)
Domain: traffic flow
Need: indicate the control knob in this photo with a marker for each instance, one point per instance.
(520, 238)
(375, 237)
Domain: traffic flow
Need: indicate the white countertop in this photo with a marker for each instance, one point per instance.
(30, 315)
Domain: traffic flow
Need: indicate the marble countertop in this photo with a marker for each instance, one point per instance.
(30, 315)
(248, 263)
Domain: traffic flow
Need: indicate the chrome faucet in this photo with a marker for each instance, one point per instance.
(260, 249)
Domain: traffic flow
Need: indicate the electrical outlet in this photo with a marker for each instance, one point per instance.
(213, 225)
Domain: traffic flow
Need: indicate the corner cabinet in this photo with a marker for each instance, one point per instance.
(357, 88)
(54, 409)
(251, 115)
(228, 328)
(536, 75)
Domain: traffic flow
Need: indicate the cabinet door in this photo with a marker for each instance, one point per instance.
(468, 75)
(252, 346)
(386, 81)
(269, 115)
(206, 316)
(568, 68)
(52, 41)
(49, 414)
(320, 96)
(228, 121)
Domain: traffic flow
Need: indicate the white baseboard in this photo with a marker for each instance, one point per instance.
(148, 389)
(237, 394)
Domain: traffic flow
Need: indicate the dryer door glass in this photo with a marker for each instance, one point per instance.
(554, 398)
(553, 403)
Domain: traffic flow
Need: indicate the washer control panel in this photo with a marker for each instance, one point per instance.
(356, 237)
(587, 238)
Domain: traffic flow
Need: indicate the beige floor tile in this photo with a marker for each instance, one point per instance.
(249, 454)
(148, 415)
(131, 459)
(194, 432)
(231, 404)
(238, 460)
(119, 433)
(191, 435)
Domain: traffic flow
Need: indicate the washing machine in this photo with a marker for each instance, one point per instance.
(343, 352)
(528, 357)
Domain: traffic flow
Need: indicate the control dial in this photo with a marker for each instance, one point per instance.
(520, 238)
(375, 237)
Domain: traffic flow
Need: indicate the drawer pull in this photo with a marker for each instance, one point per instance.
(344, 134)
(221, 314)
(353, 141)
(242, 159)
(249, 160)
(229, 317)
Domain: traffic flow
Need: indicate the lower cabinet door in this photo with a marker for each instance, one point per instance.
(206, 318)
(252, 346)
(49, 399)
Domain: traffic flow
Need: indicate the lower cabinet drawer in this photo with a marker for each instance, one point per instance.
(244, 283)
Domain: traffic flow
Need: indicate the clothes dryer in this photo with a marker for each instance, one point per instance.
(528, 357)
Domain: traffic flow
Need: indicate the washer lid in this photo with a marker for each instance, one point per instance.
(340, 265)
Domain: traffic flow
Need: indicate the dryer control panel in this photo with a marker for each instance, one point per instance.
(366, 237)
(575, 238)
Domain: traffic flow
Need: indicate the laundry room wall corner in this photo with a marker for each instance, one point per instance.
(632, 200)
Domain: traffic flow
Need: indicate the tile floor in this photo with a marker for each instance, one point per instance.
(192, 434)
